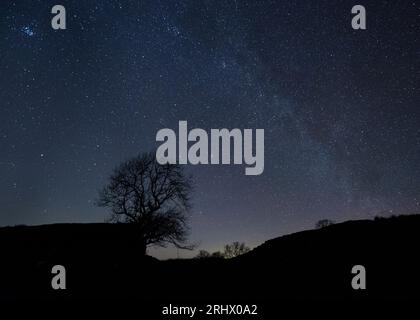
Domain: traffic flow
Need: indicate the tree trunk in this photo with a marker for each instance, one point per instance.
(143, 246)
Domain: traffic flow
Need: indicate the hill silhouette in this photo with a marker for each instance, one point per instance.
(103, 262)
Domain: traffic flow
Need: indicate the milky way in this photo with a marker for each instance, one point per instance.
(340, 107)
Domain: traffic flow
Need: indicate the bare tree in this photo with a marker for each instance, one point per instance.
(154, 197)
(235, 249)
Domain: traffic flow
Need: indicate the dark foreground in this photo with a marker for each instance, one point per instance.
(102, 262)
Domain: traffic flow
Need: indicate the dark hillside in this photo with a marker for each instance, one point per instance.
(103, 261)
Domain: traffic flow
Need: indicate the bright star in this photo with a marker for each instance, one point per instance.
(28, 31)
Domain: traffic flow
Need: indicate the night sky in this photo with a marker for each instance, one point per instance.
(340, 108)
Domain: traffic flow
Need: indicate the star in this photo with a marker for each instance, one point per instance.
(27, 31)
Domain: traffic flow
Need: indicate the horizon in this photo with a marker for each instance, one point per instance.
(165, 253)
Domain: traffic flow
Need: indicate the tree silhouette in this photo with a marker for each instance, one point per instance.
(324, 223)
(154, 197)
(235, 249)
(203, 254)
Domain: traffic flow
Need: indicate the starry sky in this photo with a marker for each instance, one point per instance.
(340, 108)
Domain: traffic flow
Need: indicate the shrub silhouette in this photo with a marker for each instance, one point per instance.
(217, 254)
(154, 197)
(230, 251)
(202, 254)
(324, 223)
